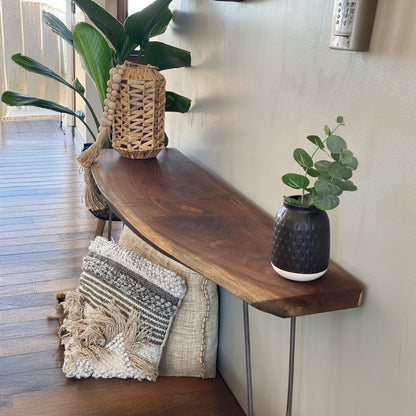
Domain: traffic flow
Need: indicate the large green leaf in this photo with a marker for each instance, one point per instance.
(161, 27)
(58, 27)
(33, 66)
(112, 29)
(139, 26)
(109, 26)
(95, 54)
(165, 56)
(14, 99)
(177, 103)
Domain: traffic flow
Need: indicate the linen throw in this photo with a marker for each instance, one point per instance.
(118, 319)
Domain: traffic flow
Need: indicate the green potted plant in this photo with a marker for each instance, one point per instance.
(102, 46)
(301, 241)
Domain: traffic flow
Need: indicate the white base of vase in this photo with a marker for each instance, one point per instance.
(299, 277)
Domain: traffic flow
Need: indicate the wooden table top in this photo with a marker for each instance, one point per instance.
(193, 217)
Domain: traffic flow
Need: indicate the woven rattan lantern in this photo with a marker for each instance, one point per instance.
(135, 109)
(139, 110)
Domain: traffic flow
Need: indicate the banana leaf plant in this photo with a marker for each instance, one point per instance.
(97, 57)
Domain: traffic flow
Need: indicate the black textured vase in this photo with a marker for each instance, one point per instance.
(300, 246)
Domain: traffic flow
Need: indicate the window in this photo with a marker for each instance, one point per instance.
(134, 6)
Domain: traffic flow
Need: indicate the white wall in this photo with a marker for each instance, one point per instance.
(262, 79)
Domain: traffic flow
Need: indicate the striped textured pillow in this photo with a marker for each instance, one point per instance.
(119, 318)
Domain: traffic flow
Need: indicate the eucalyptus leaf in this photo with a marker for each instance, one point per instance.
(303, 158)
(322, 166)
(332, 176)
(177, 103)
(348, 185)
(95, 54)
(293, 201)
(295, 181)
(139, 26)
(165, 56)
(326, 187)
(336, 144)
(316, 140)
(325, 202)
(327, 130)
(340, 171)
(312, 172)
(58, 27)
(347, 158)
(306, 201)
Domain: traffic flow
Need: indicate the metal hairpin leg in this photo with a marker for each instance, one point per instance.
(248, 359)
(291, 366)
(248, 362)
(110, 223)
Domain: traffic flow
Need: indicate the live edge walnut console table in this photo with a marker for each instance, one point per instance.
(194, 218)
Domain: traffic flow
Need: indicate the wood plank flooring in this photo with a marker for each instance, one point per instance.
(44, 233)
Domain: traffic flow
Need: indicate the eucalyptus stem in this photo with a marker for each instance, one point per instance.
(332, 132)
(314, 153)
(332, 176)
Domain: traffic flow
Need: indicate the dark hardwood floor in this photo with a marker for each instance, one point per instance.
(44, 233)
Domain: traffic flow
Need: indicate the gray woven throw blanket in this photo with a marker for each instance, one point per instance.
(118, 319)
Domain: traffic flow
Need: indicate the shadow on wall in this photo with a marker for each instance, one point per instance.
(185, 23)
(212, 105)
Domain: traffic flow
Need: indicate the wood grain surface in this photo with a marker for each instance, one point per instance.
(192, 216)
(45, 230)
